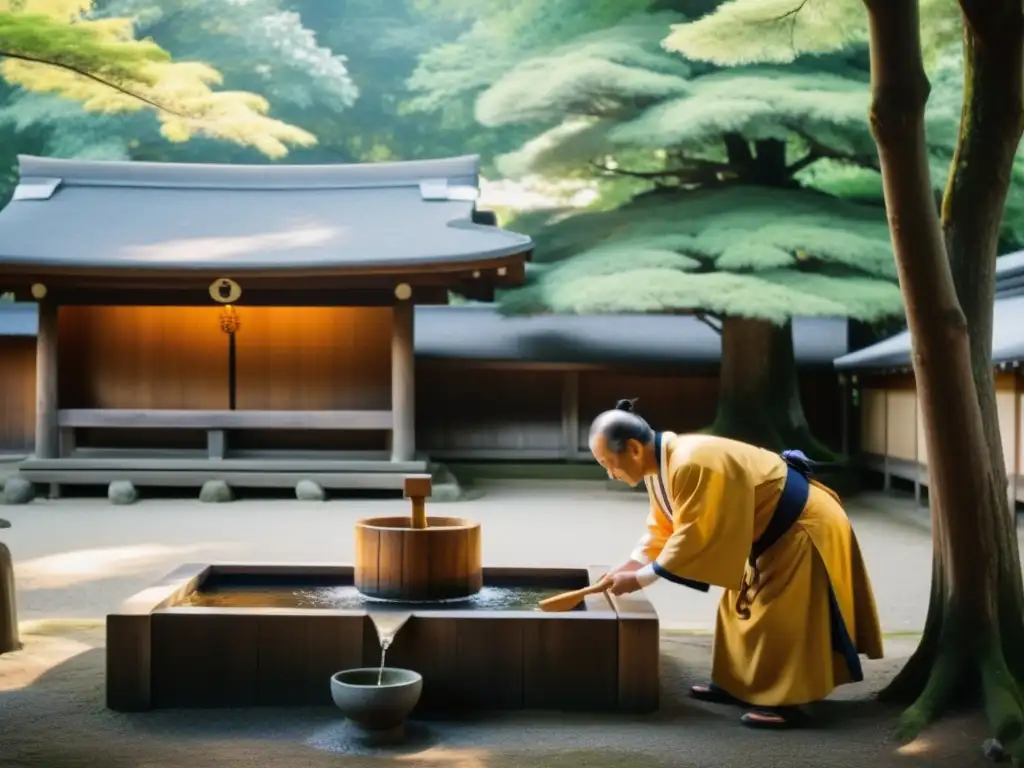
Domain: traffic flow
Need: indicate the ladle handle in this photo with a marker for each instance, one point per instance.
(569, 600)
(417, 488)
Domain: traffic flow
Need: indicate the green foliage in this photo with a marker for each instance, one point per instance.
(717, 220)
(82, 47)
(255, 48)
(597, 75)
(737, 250)
(88, 55)
(813, 105)
(502, 33)
(780, 31)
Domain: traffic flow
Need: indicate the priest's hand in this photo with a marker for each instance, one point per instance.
(623, 582)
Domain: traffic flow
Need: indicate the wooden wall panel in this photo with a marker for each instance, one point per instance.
(1020, 431)
(676, 403)
(1006, 408)
(479, 408)
(901, 425)
(822, 398)
(142, 357)
(17, 394)
(872, 421)
(314, 358)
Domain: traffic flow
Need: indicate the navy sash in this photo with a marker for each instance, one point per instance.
(790, 505)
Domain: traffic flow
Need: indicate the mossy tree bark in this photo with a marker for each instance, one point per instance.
(972, 212)
(759, 389)
(964, 651)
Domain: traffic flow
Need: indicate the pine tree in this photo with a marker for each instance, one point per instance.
(723, 228)
(69, 49)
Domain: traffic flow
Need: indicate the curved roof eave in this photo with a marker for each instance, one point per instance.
(165, 217)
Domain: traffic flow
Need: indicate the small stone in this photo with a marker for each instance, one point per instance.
(216, 492)
(18, 490)
(122, 492)
(446, 492)
(445, 486)
(307, 490)
(994, 751)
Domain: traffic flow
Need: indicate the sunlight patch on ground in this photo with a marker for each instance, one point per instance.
(84, 565)
(449, 758)
(38, 656)
(919, 747)
(59, 626)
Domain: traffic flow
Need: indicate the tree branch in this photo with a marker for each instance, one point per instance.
(822, 151)
(704, 172)
(96, 79)
(709, 322)
(809, 159)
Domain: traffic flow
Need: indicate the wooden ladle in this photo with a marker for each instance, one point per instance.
(569, 600)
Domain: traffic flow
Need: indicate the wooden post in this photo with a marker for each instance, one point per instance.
(417, 488)
(1011, 479)
(403, 382)
(886, 477)
(846, 395)
(47, 429)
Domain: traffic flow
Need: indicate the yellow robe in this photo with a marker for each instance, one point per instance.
(721, 495)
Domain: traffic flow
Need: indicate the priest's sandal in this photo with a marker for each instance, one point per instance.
(713, 694)
(773, 718)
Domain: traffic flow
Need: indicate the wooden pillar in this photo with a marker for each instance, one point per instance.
(47, 429)
(403, 382)
(47, 432)
(886, 477)
(846, 395)
(1011, 475)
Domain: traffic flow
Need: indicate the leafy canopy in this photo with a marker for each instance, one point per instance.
(62, 47)
(736, 250)
(780, 31)
(742, 32)
(722, 224)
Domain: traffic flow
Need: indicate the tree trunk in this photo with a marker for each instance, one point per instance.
(962, 651)
(972, 212)
(759, 390)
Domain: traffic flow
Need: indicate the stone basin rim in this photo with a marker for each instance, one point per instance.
(403, 523)
(408, 677)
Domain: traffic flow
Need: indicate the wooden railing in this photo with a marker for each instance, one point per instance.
(216, 423)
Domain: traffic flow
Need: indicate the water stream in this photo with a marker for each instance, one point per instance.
(387, 624)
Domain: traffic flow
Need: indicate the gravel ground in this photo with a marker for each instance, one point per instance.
(77, 559)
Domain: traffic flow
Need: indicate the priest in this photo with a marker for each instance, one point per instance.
(798, 609)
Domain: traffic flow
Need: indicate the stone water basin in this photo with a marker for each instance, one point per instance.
(237, 635)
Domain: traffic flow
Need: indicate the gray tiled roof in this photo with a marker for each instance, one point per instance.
(894, 352)
(1007, 332)
(478, 332)
(73, 213)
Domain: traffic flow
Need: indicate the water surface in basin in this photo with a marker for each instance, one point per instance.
(258, 591)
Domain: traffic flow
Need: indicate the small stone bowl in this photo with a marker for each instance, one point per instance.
(378, 711)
